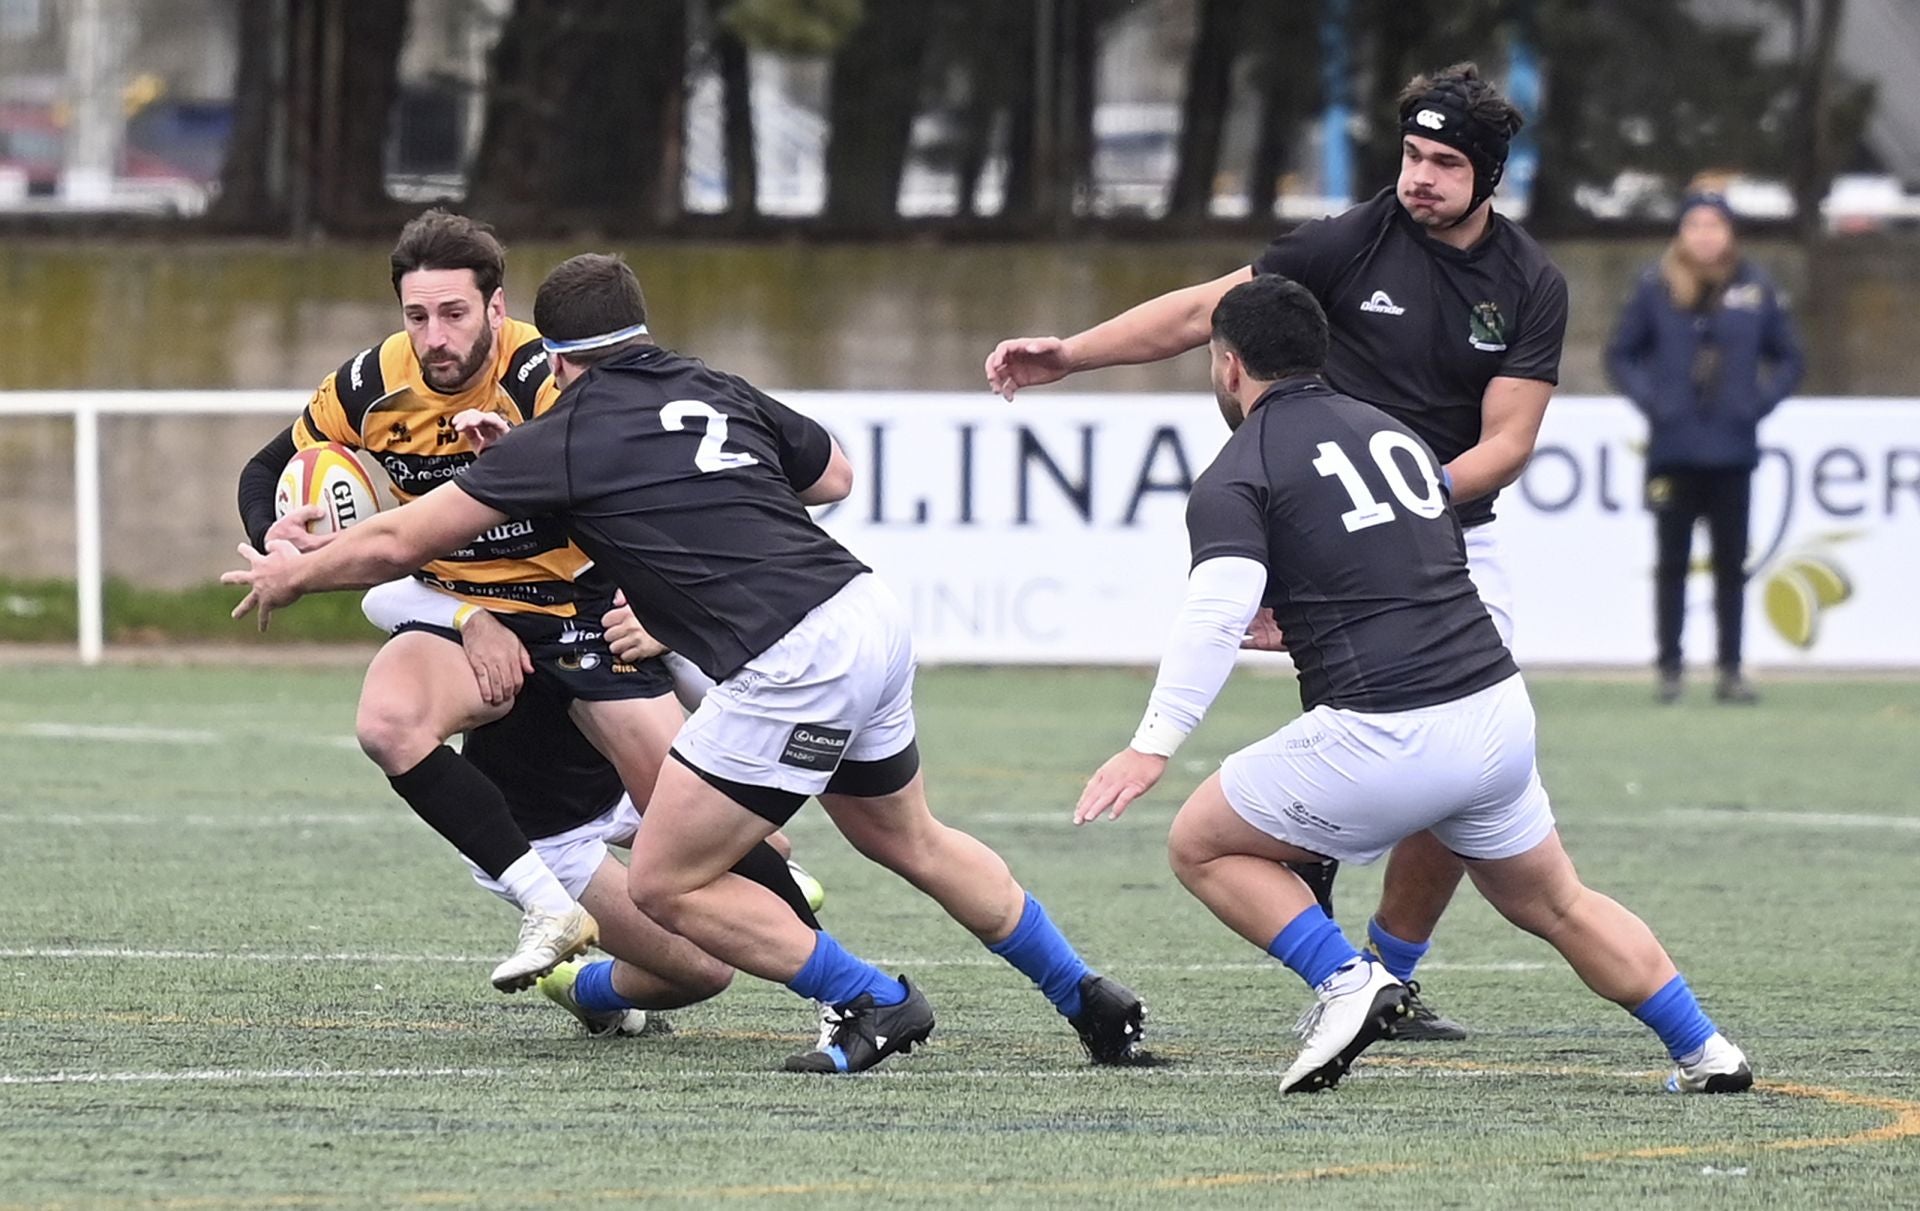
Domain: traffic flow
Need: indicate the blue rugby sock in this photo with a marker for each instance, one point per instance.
(1042, 953)
(835, 976)
(1312, 946)
(1674, 1015)
(1397, 956)
(593, 989)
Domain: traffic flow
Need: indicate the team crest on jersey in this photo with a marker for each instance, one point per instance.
(399, 432)
(1487, 328)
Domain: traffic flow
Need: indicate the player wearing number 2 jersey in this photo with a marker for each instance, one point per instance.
(1334, 516)
(689, 488)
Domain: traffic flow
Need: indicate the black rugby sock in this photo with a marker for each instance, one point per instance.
(1318, 877)
(764, 865)
(464, 806)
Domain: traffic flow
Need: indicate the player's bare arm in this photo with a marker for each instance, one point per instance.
(1510, 415)
(387, 545)
(1153, 331)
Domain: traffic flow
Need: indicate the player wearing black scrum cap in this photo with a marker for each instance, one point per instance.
(1444, 315)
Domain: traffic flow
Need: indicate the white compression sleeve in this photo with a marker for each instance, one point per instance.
(389, 605)
(1223, 595)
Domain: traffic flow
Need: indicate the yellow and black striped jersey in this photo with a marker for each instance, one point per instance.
(379, 402)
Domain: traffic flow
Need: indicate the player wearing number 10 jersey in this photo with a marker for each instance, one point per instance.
(1334, 516)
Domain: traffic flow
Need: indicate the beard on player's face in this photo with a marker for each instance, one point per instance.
(446, 370)
(1230, 408)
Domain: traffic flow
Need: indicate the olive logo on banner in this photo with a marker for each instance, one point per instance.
(1802, 585)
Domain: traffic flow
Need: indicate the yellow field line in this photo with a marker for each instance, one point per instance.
(1905, 1123)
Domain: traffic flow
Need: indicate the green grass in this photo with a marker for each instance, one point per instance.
(46, 611)
(1774, 849)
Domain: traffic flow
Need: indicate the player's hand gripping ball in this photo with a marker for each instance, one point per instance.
(331, 479)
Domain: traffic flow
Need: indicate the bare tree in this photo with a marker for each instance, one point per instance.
(1203, 114)
(585, 105)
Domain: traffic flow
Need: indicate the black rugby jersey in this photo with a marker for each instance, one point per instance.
(680, 482)
(1366, 568)
(1419, 327)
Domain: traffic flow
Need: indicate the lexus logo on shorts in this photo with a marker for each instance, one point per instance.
(812, 746)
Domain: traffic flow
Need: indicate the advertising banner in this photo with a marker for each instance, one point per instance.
(1051, 529)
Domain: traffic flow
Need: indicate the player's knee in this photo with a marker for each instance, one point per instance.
(660, 901)
(1543, 913)
(1187, 850)
(905, 852)
(393, 734)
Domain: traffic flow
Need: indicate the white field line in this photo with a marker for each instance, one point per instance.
(1369, 1068)
(112, 733)
(248, 1074)
(203, 820)
(1818, 820)
(1654, 818)
(135, 733)
(141, 734)
(117, 953)
(1658, 818)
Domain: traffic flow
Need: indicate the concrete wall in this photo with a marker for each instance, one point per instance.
(787, 316)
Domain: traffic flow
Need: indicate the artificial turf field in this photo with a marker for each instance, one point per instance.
(237, 973)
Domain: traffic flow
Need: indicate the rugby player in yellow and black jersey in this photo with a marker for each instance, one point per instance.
(534, 603)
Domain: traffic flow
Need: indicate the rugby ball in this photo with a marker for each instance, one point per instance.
(332, 477)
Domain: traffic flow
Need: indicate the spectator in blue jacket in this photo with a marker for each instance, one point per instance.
(1706, 349)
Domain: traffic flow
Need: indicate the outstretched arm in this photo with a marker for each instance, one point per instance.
(386, 545)
(1153, 331)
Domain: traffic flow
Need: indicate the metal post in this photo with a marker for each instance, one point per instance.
(93, 99)
(86, 526)
(1336, 148)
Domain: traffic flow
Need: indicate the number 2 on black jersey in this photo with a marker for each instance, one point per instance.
(713, 454)
(1366, 511)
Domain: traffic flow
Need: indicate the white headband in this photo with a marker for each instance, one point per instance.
(592, 342)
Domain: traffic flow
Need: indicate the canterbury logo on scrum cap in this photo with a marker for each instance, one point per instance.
(1432, 119)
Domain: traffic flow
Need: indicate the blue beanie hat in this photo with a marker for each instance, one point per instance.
(1716, 200)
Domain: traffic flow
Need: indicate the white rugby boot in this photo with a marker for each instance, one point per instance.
(1344, 1023)
(1721, 1068)
(547, 940)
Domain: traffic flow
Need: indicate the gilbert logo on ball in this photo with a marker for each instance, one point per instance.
(332, 477)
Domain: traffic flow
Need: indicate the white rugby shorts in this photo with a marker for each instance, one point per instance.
(839, 686)
(1350, 784)
(574, 855)
(1489, 572)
